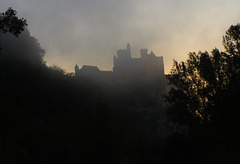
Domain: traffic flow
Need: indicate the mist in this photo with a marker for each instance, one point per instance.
(132, 112)
(25, 48)
(90, 32)
(60, 114)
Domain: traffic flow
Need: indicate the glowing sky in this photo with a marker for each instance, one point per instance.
(91, 31)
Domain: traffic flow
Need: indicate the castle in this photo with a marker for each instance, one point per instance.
(147, 68)
(135, 85)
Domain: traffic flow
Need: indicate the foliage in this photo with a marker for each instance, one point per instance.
(204, 101)
(26, 48)
(9, 22)
(202, 82)
(57, 69)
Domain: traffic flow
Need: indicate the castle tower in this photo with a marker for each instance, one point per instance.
(114, 60)
(128, 50)
(76, 69)
(143, 52)
(123, 59)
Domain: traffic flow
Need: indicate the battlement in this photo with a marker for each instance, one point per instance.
(124, 53)
(107, 71)
(148, 64)
(143, 52)
(121, 52)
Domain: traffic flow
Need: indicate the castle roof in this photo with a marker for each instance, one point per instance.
(90, 68)
(152, 54)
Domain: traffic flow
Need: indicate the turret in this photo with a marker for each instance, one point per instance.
(76, 69)
(128, 50)
(114, 59)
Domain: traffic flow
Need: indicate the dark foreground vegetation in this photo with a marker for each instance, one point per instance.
(49, 116)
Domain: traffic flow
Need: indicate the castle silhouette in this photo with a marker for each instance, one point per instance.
(147, 68)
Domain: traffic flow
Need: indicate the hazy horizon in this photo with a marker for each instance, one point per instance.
(90, 32)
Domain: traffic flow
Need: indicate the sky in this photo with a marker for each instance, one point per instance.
(89, 32)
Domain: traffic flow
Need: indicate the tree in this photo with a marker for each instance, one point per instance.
(205, 81)
(22, 48)
(231, 43)
(204, 100)
(193, 90)
(9, 22)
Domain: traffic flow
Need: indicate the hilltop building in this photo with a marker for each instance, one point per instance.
(135, 85)
(147, 68)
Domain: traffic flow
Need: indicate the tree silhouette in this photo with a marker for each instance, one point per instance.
(203, 102)
(9, 22)
(24, 48)
(202, 82)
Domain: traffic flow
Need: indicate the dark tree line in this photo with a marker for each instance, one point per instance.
(205, 80)
(204, 99)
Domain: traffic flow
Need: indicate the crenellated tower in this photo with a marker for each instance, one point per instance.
(143, 52)
(123, 58)
(148, 67)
